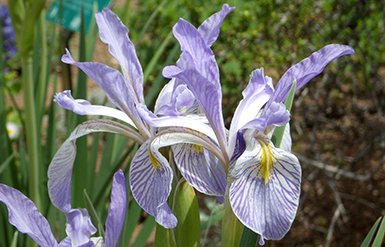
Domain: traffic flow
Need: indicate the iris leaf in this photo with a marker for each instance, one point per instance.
(278, 132)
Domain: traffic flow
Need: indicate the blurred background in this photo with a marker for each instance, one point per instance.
(337, 122)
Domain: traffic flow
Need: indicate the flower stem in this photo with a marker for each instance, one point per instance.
(232, 228)
(31, 130)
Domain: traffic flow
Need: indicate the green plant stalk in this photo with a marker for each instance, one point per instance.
(31, 132)
(186, 209)
(4, 142)
(81, 175)
(42, 82)
(164, 237)
(232, 228)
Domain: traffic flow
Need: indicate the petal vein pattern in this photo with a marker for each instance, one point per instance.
(60, 169)
(201, 169)
(83, 107)
(24, 215)
(266, 207)
(309, 68)
(113, 33)
(151, 185)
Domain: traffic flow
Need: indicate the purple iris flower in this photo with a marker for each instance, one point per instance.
(24, 215)
(263, 181)
(150, 177)
(8, 37)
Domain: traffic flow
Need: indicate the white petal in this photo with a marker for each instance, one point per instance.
(267, 208)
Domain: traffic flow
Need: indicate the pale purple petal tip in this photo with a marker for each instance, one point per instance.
(24, 215)
(309, 68)
(117, 209)
(165, 217)
(210, 28)
(113, 33)
(79, 227)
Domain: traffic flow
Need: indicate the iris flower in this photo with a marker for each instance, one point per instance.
(150, 180)
(24, 215)
(262, 181)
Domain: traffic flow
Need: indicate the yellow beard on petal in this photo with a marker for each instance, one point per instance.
(154, 161)
(198, 148)
(267, 161)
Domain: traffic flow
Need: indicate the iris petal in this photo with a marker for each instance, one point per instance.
(83, 107)
(192, 122)
(198, 69)
(200, 168)
(309, 68)
(255, 95)
(60, 169)
(266, 208)
(112, 83)
(150, 181)
(210, 28)
(116, 210)
(24, 215)
(79, 227)
(115, 35)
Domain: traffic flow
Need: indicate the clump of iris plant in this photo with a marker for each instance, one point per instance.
(241, 165)
(24, 215)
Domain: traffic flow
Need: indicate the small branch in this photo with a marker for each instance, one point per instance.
(336, 215)
(335, 170)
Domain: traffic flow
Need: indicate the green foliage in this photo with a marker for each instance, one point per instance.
(379, 231)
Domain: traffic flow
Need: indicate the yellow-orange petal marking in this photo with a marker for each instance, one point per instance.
(267, 161)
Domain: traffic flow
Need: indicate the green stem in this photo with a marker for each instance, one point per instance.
(31, 131)
(42, 88)
(232, 228)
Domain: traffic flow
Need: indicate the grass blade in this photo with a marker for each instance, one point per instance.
(371, 233)
(380, 235)
(145, 232)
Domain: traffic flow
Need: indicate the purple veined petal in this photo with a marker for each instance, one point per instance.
(113, 33)
(150, 181)
(309, 68)
(255, 95)
(83, 107)
(79, 227)
(200, 168)
(112, 83)
(116, 210)
(24, 215)
(60, 169)
(164, 98)
(206, 173)
(266, 206)
(175, 100)
(210, 28)
(184, 101)
(209, 97)
(193, 122)
(94, 242)
(66, 242)
(274, 114)
(201, 56)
